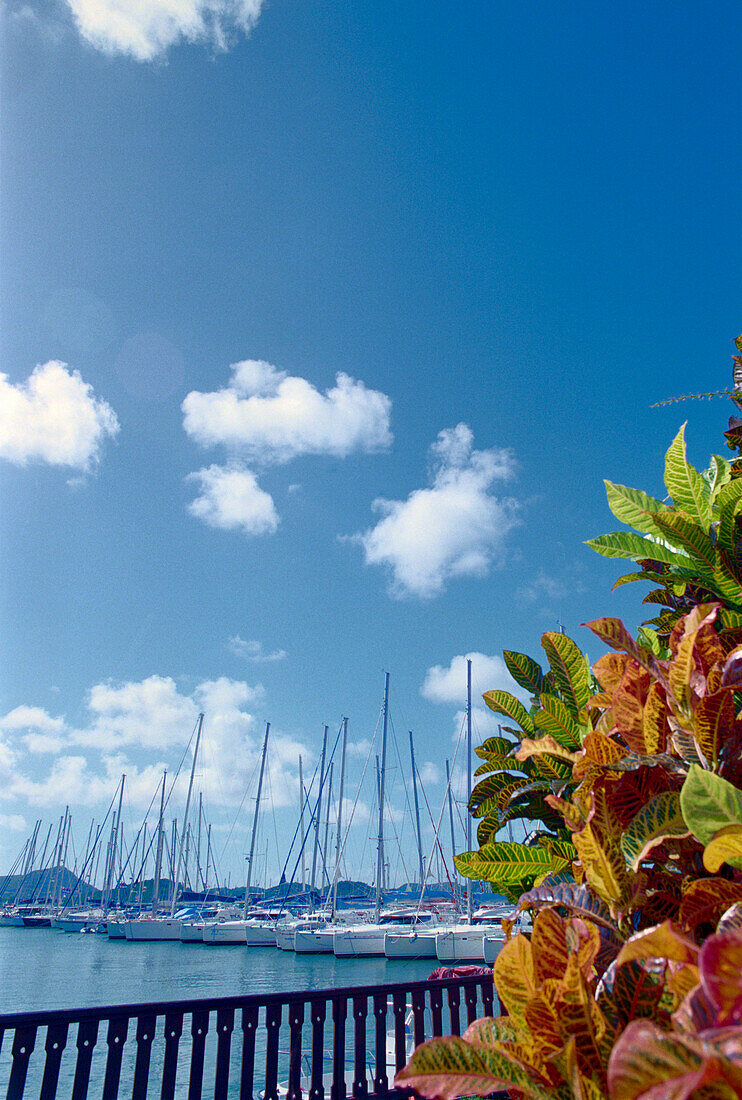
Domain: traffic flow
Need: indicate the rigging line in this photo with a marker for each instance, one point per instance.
(355, 803)
(314, 816)
(238, 811)
(437, 828)
(92, 850)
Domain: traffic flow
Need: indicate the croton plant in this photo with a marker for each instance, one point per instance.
(629, 984)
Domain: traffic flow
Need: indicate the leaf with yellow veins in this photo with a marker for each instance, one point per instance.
(713, 719)
(656, 729)
(724, 847)
(515, 976)
(529, 747)
(664, 941)
(680, 672)
(604, 865)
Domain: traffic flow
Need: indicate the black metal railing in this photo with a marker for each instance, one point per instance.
(326, 1044)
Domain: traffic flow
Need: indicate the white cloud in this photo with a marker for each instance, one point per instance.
(429, 773)
(54, 417)
(43, 743)
(145, 29)
(271, 417)
(447, 684)
(454, 528)
(254, 651)
(231, 499)
(358, 750)
(14, 822)
(31, 718)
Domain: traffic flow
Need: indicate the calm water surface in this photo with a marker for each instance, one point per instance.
(43, 968)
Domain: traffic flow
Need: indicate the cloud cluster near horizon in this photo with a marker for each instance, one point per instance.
(267, 417)
(141, 727)
(456, 527)
(447, 684)
(146, 30)
(54, 417)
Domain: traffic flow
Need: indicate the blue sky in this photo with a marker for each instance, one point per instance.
(364, 301)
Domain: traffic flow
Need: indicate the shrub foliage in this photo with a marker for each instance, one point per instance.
(629, 984)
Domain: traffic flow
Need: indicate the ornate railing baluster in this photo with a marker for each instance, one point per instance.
(199, 1031)
(145, 1034)
(116, 1037)
(360, 1078)
(381, 1080)
(273, 1024)
(418, 1015)
(488, 998)
(317, 1013)
(24, 1041)
(454, 1000)
(399, 1003)
(249, 1028)
(296, 1021)
(470, 997)
(56, 1041)
(339, 1013)
(224, 1027)
(436, 1010)
(173, 1032)
(87, 1036)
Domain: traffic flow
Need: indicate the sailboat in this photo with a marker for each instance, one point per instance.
(157, 927)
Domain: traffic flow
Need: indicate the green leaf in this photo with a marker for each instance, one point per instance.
(633, 507)
(660, 818)
(625, 544)
(494, 746)
(508, 862)
(489, 794)
(502, 702)
(684, 484)
(718, 475)
(450, 1067)
(554, 718)
(728, 502)
(709, 803)
(684, 532)
(570, 669)
(524, 670)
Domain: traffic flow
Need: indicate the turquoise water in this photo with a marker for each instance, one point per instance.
(43, 968)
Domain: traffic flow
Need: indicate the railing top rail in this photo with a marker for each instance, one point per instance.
(15, 1020)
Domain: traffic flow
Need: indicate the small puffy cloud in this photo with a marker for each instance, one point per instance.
(55, 418)
(31, 718)
(254, 651)
(14, 822)
(447, 683)
(231, 499)
(43, 743)
(271, 417)
(145, 29)
(454, 528)
(429, 773)
(358, 750)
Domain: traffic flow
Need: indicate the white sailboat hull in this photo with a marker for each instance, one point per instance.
(116, 929)
(355, 943)
(140, 931)
(260, 935)
(317, 941)
(460, 945)
(410, 945)
(225, 932)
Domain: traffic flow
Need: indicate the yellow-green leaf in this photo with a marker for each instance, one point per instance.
(724, 847)
(659, 819)
(502, 702)
(684, 483)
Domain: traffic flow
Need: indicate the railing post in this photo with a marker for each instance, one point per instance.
(454, 1000)
(317, 1012)
(360, 1073)
(296, 1020)
(399, 1002)
(56, 1041)
(418, 1015)
(145, 1034)
(224, 1026)
(339, 1013)
(436, 1010)
(199, 1031)
(24, 1041)
(381, 1080)
(173, 1032)
(116, 1037)
(247, 1074)
(273, 1024)
(470, 996)
(87, 1036)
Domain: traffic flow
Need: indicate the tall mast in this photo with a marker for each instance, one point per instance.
(318, 810)
(468, 785)
(327, 821)
(208, 857)
(303, 829)
(255, 822)
(453, 839)
(185, 816)
(340, 819)
(417, 814)
(158, 854)
(380, 848)
(114, 839)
